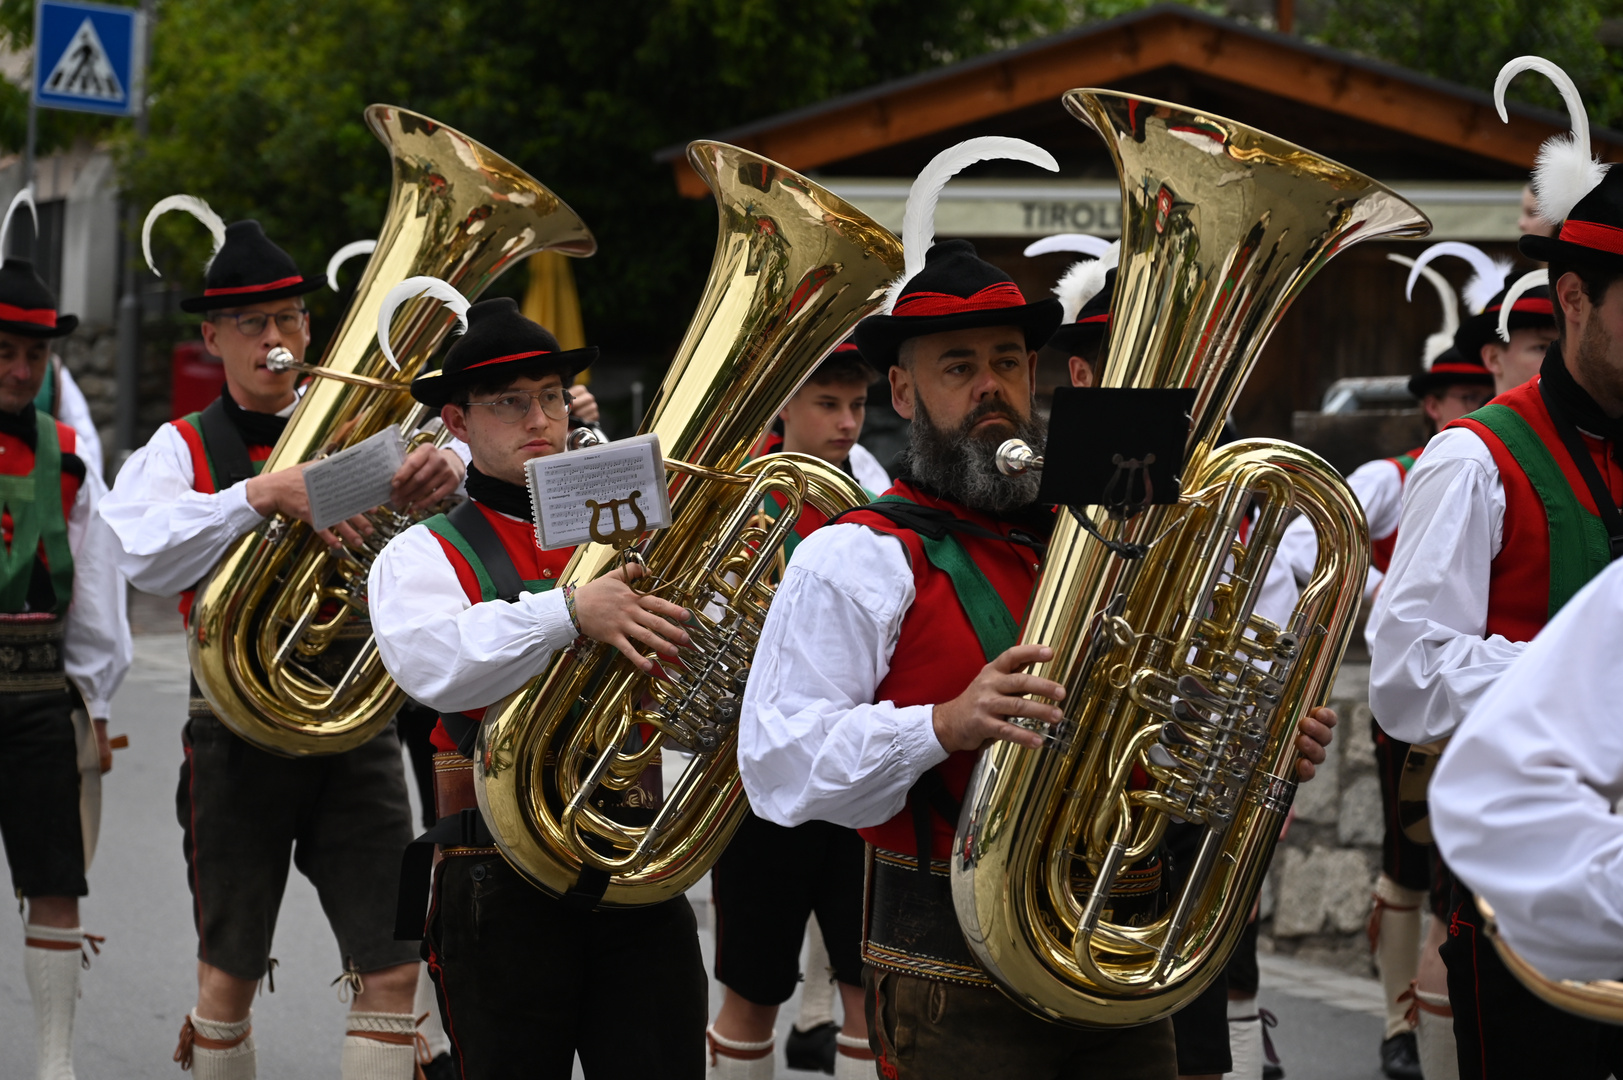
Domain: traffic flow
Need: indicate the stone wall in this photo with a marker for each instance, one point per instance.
(1316, 898)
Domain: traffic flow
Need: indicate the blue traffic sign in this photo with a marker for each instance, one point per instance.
(89, 57)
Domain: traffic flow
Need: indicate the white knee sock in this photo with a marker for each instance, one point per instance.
(432, 1030)
(853, 1059)
(218, 1049)
(817, 992)
(51, 960)
(731, 1060)
(380, 1046)
(1434, 1037)
(1245, 1040)
(1394, 937)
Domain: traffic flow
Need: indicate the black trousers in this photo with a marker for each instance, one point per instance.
(525, 983)
(1502, 1030)
(39, 794)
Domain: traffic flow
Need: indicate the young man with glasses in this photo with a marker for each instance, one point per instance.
(466, 612)
(178, 505)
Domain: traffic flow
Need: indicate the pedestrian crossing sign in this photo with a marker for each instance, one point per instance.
(88, 57)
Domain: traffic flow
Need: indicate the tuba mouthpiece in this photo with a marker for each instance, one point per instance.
(1015, 458)
(279, 358)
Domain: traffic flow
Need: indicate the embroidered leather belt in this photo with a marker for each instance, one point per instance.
(454, 798)
(909, 924)
(31, 659)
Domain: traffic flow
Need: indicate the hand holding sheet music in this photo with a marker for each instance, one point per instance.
(355, 480)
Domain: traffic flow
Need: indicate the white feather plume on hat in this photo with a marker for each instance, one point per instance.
(918, 220)
(1086, 277)
(193, 206)
(1524, 284)
(1485, 283)
(25, 197)
(343, 255)
(411, 289)
(1441, 341)
(1567, 169)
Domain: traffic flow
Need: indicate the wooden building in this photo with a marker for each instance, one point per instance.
(1440, 144)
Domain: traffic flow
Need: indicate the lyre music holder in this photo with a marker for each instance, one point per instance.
(1121, 449)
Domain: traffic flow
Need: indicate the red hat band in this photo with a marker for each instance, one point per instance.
(36, 316)
(238, 290)
(1592, 234)
(923, 305)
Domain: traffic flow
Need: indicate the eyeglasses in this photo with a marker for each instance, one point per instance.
(514, 406)
(252, 323)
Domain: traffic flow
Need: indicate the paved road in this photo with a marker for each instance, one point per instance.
(137, 993)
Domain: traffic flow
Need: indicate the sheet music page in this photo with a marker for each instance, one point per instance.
(355, 480)
(599, 493)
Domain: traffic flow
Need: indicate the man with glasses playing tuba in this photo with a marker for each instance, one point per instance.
(178, 506)
(874, 688)
(466, 611)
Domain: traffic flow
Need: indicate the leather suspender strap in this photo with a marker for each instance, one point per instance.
(1610, 515)
(462, 829)
(227, 452)
(498, 565)
(930, 794)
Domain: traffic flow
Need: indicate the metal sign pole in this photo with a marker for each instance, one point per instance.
(28, 150)
(129, 303)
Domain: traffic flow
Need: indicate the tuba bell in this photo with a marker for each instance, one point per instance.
(795, 268)
(279, 639)
(1168, 671)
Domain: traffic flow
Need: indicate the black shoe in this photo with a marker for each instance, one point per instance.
(1271, 1071)
(812, 1051)
(1400, 1057)
(441, 1068)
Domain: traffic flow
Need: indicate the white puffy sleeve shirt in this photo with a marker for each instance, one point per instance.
(171, 535)
(813, 743)
(96, 647)
(446, 651)
(1431, 658)
(1521, 803)
(1379, 487)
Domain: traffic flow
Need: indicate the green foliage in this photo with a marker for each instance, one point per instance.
(256, 107)
(1468, 43)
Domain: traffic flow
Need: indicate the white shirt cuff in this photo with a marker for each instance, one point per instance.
(915, 737)
(551, 617)
(236, 509)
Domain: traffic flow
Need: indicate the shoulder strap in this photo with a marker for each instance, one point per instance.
(490, 559)
(1579, 547)
(1610, 515)
(994, 624)
(227, 452)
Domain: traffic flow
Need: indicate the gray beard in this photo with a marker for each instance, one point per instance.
(963, 467)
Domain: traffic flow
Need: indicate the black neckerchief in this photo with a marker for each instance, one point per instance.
(1571, 409)
(23, 425)
(502, 497)
(256, 428)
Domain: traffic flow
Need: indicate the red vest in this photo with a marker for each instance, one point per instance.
(1519, 579)
(203, 481)
(17, 459)
(532, 564)
(1380, 550)
(938, 653)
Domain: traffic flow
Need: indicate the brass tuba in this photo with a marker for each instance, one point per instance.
(1166, 667)
(280, 643)
(795, 268)
(1596, 999)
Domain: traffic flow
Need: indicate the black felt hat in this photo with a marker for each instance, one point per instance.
(249, 269)
(1083, 335)
(956, 290)
(1531, 310)
(1451, 368)
(1592, 234)
(500, 344)
(27, 307)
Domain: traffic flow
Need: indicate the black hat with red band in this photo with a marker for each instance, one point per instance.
(27, 307)
(1451, 368)
(500, 344)
(1083, 336)
(956, 290)
(247, 270)
(1531, 310)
